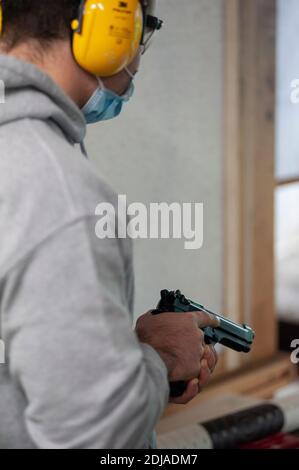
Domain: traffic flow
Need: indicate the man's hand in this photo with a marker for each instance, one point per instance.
(194, 387)
(179, 341)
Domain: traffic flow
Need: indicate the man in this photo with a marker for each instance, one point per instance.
(76, 375)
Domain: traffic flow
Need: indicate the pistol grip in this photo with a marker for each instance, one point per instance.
(177, 388)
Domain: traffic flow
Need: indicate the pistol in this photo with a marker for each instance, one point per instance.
(229, 334)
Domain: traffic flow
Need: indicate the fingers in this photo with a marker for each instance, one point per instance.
(190, 393)
(204, 319)
(211, 357)
(208, 364)
(205, 374)
(194, 386)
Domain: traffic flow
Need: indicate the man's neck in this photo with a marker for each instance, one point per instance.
(57, 61)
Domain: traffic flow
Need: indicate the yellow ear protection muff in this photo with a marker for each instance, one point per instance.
(108, 33)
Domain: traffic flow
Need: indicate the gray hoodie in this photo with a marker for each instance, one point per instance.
(75, 374)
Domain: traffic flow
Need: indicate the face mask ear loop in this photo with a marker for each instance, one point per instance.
(101, 84)
(129, 73)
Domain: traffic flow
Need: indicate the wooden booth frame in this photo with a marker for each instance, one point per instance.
(249, 44)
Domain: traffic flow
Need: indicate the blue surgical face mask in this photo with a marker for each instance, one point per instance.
(104, 104)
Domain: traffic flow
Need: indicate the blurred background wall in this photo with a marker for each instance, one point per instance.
(167, 147)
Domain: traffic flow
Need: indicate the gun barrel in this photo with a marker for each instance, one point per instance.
(230, 334)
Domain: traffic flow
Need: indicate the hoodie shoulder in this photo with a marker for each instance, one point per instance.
(45, 184)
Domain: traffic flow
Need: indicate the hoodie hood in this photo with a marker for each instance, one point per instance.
(30, 93)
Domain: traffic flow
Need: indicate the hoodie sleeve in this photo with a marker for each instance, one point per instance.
(88, 382)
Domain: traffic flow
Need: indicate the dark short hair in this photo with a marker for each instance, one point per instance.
(43, 20)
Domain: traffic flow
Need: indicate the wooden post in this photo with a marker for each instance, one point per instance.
(249, 156)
